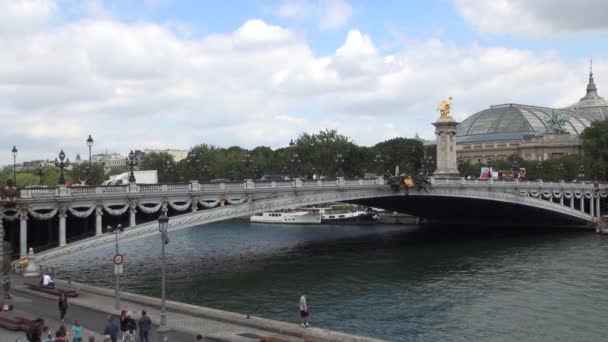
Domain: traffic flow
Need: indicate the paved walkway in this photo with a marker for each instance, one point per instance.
(185, 321)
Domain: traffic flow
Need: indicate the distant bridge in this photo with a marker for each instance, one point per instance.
(453, 200)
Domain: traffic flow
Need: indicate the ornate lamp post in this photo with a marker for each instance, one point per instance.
(428, 165)
(131, 162)
(248, 163)
(515, 167)
(285, 170)
(460, 165)
(295, 160)
(379, 161)
(163, 225)
(339, 162)
(14, 152)
(116, 230)
(62, 164)
(562, 171)
(313, 172)
(539, 169)
(168, 169)
(90, 145)
(40, 172)
(581, 172)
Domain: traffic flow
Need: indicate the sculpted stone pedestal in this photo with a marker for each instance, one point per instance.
(445, 129)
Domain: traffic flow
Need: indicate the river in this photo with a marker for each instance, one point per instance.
(400, 283)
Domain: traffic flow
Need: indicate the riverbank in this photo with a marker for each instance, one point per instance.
(186, 320)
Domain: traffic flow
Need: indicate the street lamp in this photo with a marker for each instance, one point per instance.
(379, 161)
(90, 145)
(14, 152)
(168, 171)
(117, 230)
(40, 172)
(295, 160)
(562, 171)
(581, 172)
(515, 167)
(131, 162)
(62, 164)
(339, 163)
(163, 225)
(539, 169)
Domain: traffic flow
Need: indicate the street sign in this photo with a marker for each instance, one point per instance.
(118, 259)
(118, 269)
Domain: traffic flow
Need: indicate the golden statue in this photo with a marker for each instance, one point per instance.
(444, 109)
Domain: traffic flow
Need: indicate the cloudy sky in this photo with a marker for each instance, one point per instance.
(173, 73)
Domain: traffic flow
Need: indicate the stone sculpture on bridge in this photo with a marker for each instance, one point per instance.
(444, 109)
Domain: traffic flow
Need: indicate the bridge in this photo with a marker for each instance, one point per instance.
(447, 199)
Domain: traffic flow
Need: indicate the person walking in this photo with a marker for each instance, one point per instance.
(62, 303)
(304, 314)
(77, 329)
(144, 324)
(111, 329)
(34, 332)
(59, 337)
(123, 320)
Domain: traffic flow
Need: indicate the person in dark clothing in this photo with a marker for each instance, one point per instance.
(34, 333)
(63, 305)
(123, 322)
(111, 329)
(144, 327)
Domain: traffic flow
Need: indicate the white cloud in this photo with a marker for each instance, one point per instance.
(535, 18)
(138, 85)
(25, 15)
(334, 13)
(331, 14)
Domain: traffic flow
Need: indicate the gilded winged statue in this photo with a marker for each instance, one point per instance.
(444, 109)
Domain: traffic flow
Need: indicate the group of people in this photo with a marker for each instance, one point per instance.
(39, 332)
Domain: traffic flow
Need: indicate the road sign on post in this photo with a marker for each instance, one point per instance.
(118, 269)
(118, 259)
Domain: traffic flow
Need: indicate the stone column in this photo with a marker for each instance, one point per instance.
(132, 212)
(583, 202)
(572, 201)
(598, 214)
(445, 129)
(63, 214)
(23, 232)
(194, 204)
(98, 223)
(592, 206)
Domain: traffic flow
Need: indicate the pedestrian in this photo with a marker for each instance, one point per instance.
(62, 302)
(49, 335)
(123, 323)
(199, 338)
(129, 335)
(304, 313)
(107, 338)
(6, 285)
(144, 324)
(59, 337)
(34, 332)
(63, 331)
(77, 329)
(111, 329)
(91, 338)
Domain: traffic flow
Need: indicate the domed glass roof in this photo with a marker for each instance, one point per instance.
(511, 121)
(592, 104)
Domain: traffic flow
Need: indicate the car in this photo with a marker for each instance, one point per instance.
(272, 178)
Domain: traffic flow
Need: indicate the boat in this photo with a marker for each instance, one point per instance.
(352, 217)
(286, 217)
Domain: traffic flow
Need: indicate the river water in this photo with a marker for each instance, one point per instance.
(400, 283)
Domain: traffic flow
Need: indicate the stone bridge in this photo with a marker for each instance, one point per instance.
(449, 199)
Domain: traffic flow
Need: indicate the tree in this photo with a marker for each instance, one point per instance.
(79, 172)
(402, 152)
(164, 165)
(595, 148)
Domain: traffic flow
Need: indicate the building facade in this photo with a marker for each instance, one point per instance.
(176, 154)
(504, 130)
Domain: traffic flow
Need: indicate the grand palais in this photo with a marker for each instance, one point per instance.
(507, 129)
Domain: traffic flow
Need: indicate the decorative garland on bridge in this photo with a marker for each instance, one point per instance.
(180, 207)
(208, 204)
(236, 201)
(149, 210)
(116, 212)
(82, 214)
(43, 216)
(12, 217)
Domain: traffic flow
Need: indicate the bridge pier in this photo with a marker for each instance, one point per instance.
(98, 223)
(63, 214)
(23, 232)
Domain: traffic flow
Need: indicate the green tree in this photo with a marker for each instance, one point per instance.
(595, 148)
(79, 172)
(164, 165)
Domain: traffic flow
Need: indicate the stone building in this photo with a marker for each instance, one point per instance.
(507, 129)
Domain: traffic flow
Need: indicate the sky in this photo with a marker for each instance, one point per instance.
(139, 74)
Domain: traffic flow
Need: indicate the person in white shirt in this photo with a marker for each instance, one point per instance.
(304, 310)
(47, 281)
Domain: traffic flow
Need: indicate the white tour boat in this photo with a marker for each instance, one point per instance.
(286, 217)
